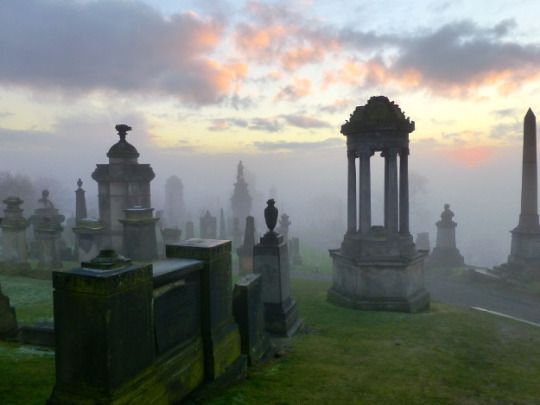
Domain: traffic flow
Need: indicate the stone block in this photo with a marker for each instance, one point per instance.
(220, 333)
(271, 261)
(249, 314)
(8, 320)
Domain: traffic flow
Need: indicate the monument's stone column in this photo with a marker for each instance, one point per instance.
(271, 260)
(14, 249)
(379, 268)
(351, 192)
(365, 191)
(80, 202)
(140, 242)
(445, 253)
(404, 191)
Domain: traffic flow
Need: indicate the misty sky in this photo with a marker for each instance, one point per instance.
(205, 83)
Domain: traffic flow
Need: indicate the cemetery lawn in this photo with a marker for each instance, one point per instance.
(447, 355)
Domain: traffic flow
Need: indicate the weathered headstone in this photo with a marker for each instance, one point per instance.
(14, 245)
(378, 267)
(422, 241)
(208, 226)
(294, 248)
(80, 202)
(445, 253)
(271, 260)
(245, 252)
(171, 236)
(249, 314)
(47, 224)
(140, 234)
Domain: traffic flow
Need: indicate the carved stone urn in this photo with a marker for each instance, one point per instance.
(271, 215)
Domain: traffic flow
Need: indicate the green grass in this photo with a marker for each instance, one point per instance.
(314, 260)
(444, 356)
(32, 298)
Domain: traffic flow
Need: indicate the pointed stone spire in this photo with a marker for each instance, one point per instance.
(80, 202)
(528, 219)
(222, 230)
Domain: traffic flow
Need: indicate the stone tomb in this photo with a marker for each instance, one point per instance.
(378, 267)
(14, 245)
(145, 333)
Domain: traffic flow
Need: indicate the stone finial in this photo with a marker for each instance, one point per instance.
(79, 183)
(122, 131)
(271, 214)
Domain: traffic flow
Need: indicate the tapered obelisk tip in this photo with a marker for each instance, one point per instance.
(530, 113)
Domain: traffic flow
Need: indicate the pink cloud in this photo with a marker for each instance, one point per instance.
(298, 89)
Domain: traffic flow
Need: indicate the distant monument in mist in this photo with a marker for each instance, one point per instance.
(524, 259)
(378, 267)
(241, 200)
(175, 209)
(445, 253)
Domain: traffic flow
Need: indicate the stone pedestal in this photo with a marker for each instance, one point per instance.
(104, 332)
(445, 253)
(390, 285)
(14, 246)
(8, 321)
(139, 230)
(249, 314)
(422, 241)
(91, 237)
(271, 261)
(220, 334)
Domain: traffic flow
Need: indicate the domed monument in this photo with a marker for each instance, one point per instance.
(378, 267)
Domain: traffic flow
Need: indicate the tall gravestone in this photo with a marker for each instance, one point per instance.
(445, 253)
(524, 259)
(241, 199)
(175, 209)
(283, 228)
(14, 245)
(222, 227)
(208, 226)
(47, 224)
(422, 241)
(122, 183)
(378, 267)
(140, 242)
(271, 261)
(245, 252)
(190, 230)
(237, 233)
(294, 247)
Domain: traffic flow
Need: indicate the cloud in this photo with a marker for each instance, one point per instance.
(265, 124)
(286, 146)
(119, 46)
(222, 124)
(303, 121)
(19, 138)
(341, 104)
(507, 130)
(298, 89)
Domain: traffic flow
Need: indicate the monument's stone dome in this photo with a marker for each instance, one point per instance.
(122, 149)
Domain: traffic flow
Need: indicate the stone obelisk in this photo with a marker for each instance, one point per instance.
(524, 259)
(528, 219)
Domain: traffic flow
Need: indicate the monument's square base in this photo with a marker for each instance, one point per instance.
(391, 285)
(445, 258)
(282, 319)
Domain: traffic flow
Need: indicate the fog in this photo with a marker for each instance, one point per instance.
(309, 185)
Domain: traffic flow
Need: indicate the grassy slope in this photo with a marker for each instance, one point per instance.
(447, 355)
(31, 298)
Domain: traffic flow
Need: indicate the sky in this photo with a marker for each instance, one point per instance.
(206, 83)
